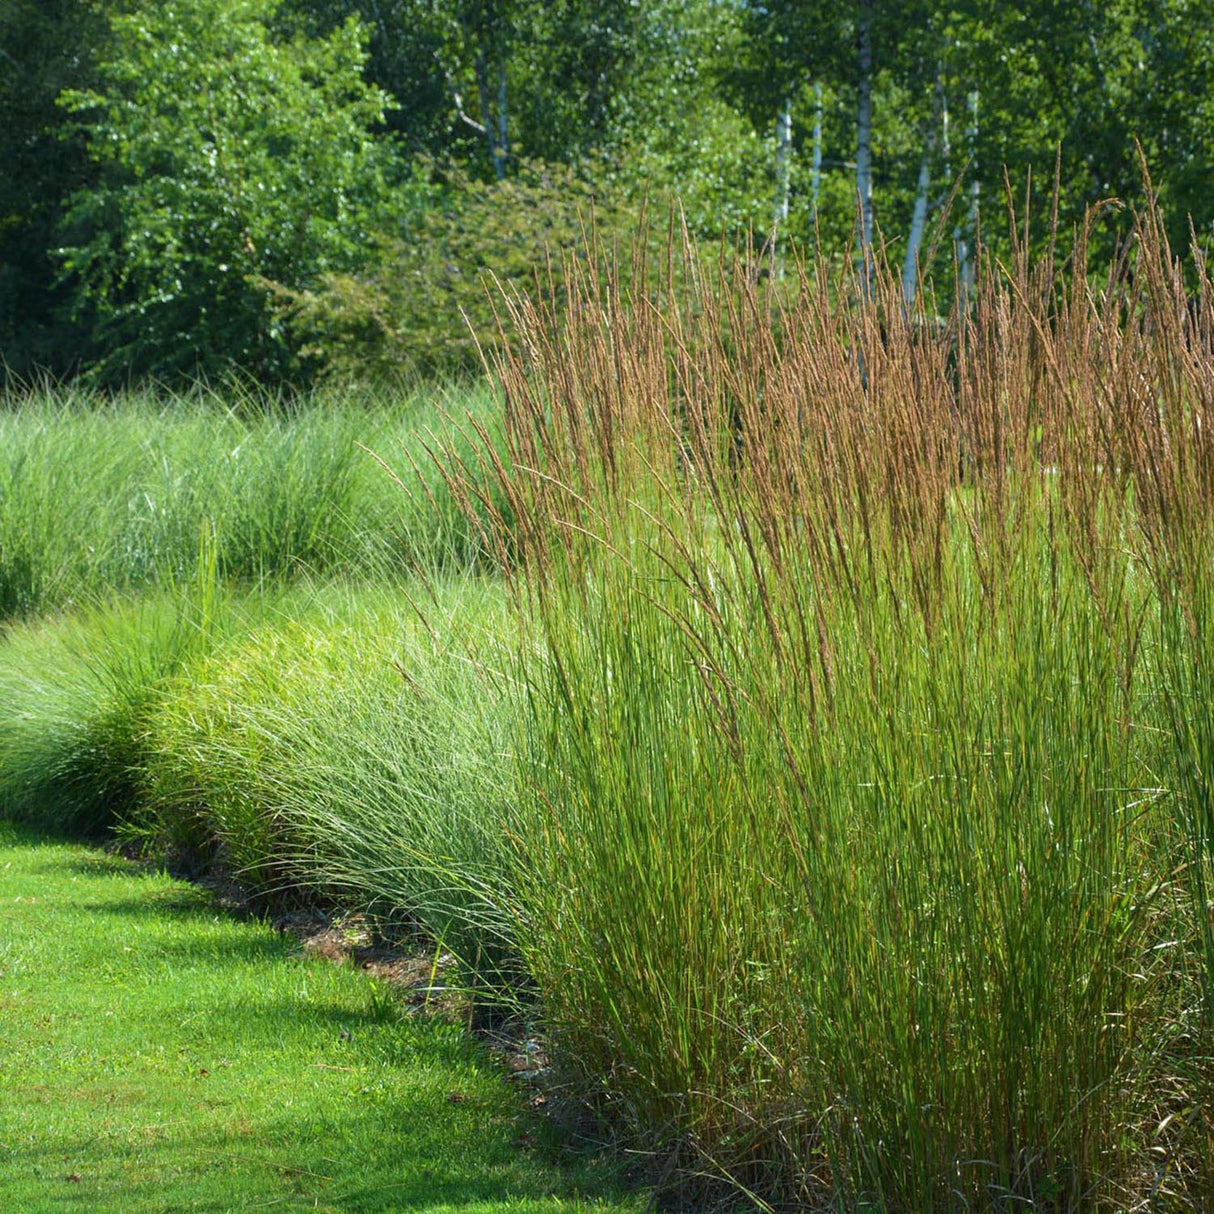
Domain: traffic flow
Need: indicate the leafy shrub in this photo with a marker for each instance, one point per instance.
(429, 301)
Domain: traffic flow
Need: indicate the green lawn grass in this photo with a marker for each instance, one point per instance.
(160, 1055)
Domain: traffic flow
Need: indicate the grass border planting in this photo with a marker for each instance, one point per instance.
(810, 730)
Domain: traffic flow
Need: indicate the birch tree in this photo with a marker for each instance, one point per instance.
(918, 225)
(791, 47)
(482, 34)
(779, 219)
(865, 20)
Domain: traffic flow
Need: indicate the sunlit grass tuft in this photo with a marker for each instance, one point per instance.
(347, 749)
(98, 495)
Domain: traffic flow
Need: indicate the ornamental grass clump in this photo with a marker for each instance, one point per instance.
(99, 494)
(347, 752)
(850, 796)
(80, 689)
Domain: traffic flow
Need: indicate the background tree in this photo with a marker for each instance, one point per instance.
(227, 159)
(405, 57)
(45, 47)
(567, 67)
(212, 146)
(1084, 83)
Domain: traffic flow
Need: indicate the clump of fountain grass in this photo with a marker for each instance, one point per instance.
(101, 494)
(850, 798)
(347, 751)
(80, 687)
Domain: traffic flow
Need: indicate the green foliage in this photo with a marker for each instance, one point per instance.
(430, 301)
(96, 495)
(227, 157)
(722, 179)
(45, 47)
(405, 58)
(569, 69)
(577, 75)
(681, 136)
(264, 156)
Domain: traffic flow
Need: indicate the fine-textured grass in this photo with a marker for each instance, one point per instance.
(78, 690)
(316, 741)
(347, 748)
(100, 495)
(159, 1055)
(866, 817)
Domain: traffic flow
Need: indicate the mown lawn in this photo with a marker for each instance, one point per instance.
(160, 1055)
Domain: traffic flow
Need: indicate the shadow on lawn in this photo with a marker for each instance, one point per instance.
(372, 1150)
(223, 894)
(21, 834)
(382, 1151)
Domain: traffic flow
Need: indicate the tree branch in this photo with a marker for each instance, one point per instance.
(457, 97)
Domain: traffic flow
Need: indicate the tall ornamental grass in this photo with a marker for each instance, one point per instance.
(866, 827)
(75, 701)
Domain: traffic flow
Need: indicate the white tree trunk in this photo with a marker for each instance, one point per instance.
(864, 138)
(946, 143)
(495, 133)
(968, 240)
(815, 179)
(914, 239)
(503, 140)
(783, 177)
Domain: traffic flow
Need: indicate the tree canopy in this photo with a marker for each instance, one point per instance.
(226, 158)
(181, 168)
